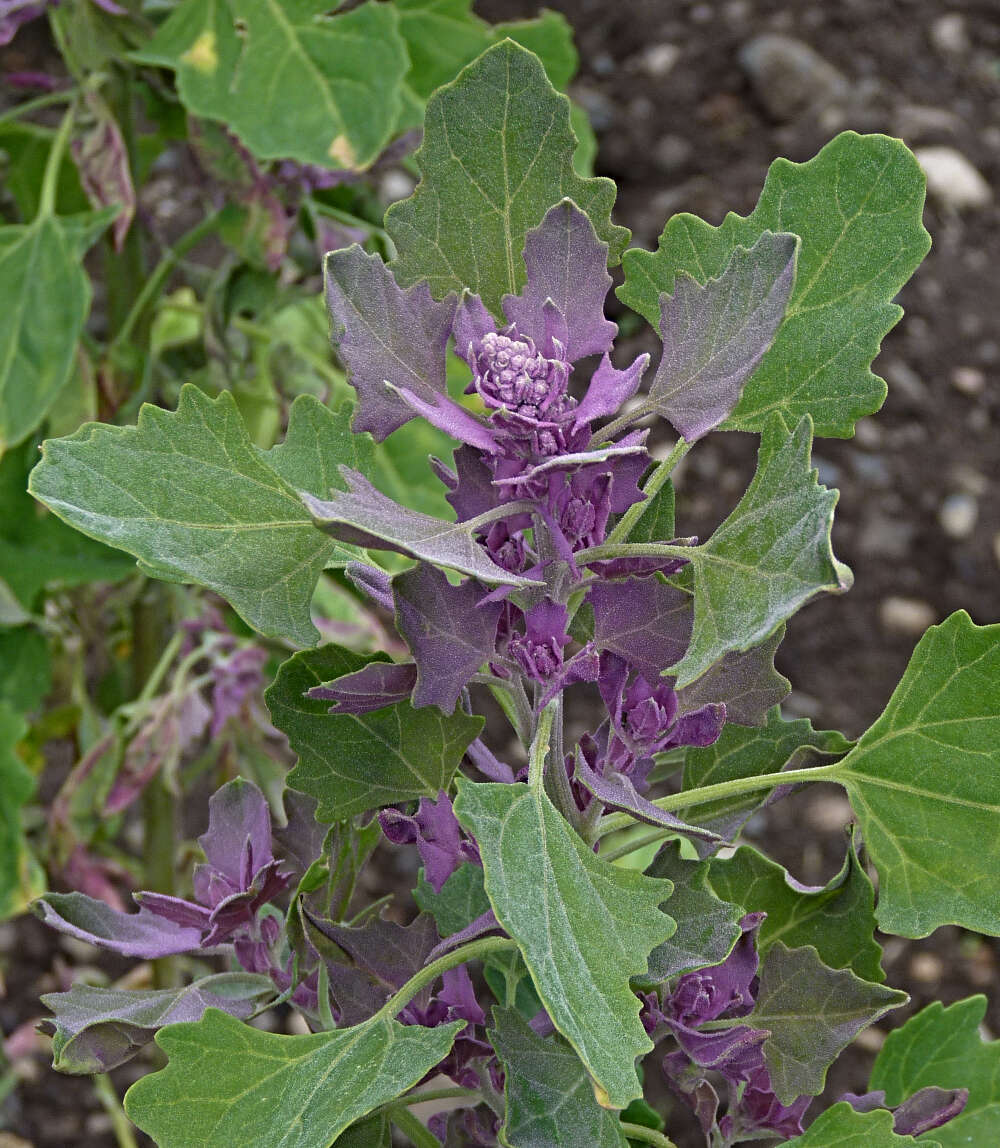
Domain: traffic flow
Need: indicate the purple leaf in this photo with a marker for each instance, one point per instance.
(384, 334)
(238, 841)
(372, 582)
(385, 950)
(609, 390)
(363, 515)
(483, 924)
(447, 630)
(925, 1110)
(374, 686)
(472, 322)
(715, 335)
(101, 157)
(642, 620)
(300, 841)
(452, 418)
(474, 492)
(745, 682)
(437, 834)
(567, 269)
(14, 13)
(143, 934)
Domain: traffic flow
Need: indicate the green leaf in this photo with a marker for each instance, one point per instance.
(289, 82)
(842, 1127)
(227, 1083)
(924, 781)
(857, 208)
(497, 154)
(812, 1013)
(36, 549)
(550, 36)
(48, 298)
(769, 557)
(354, 762)
(550, 1100)
(707, 927)
(373, 1132)
(462, 899)
(189, 494)
(21, 878)
(27, 148)
(942, 1046)
(838, 918)
(25, 668)
(583, 926)
(657, 524)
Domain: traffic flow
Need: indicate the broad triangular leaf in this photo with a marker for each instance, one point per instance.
(21, 877)
(497, 154)
(842, 1127)
(227, 1083)
(924, 781)
(354, 762)
(550, 1099)
(745, 681)
(812, 1012)
(333, 86)
(584, 927)
(769, 557)
(189, 494)
(837, 919)
(462, 899)
(942, 1047)
(857, 208)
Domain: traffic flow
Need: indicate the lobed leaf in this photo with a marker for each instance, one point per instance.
(227, 1083)
(586, 928)
(745, 681)
(842, 1127)
(857, 208)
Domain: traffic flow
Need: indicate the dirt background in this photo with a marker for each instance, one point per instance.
(686, 123)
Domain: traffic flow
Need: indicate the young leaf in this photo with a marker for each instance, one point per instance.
(227, 1083)
(707, 927)
(842, 1127)
(812, 1013)
(643, 620)
(48, 294)
(838, 918)
(333, 85)
(20, 875)
(769, 557)
(462, 899)
(193, 499)
(585, 929)
(497, 154)
(96, 1029)
(550, 1099)
(354, 762)
(746, 682)
(857, 208)
(924, 781)
(942, 1047)
(657, 524)
(715, 335)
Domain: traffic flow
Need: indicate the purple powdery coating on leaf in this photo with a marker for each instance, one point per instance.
(483, 924)
(373, 687)
(474, 492)
(238, 840)
(925, 1110)
(760, 1110)
(144, 934)
(14, 13)
(539, 651)
(443, 412)
(484, 759)
(437, 834)
(609, 390)
(449, 632)
(472, 321)
(385, 950)
(235, 680)
(643, 621)
(385, 334)
(567, 284)
(373, 582)
(101, 157)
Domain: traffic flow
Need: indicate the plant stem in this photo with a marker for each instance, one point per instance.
(540, 747)
(625, 524)
(632, 550)
(734, 788)
(407, 1123)
(647, 1135)
(112, 1105)
(636, 844)
(455, 1093)
(38, 103)
(50, 180)
(473, 951)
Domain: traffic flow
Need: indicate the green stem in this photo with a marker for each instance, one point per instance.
(647, 1135)
(112, 1105)
(721, 789)
(50, 180)
(408, 1124)
(434, 1094)
(632, 550)
(38, 103)
(540, 747)
(473, 951)
(625, 524)
(125, 270)
(636, 844)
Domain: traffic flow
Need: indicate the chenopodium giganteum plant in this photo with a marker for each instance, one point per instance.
(548, 974)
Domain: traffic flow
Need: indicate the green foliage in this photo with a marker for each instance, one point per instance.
(20, 877)
(842, 1127)
(462, 899)
(856, 207)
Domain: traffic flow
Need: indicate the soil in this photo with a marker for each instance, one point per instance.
(681, 127)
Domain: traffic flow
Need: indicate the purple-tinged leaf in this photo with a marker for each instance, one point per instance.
(384, 334)
(143, 934)
(642, 620)
(239, 830)
(374, 686)
(472, 322)
(97, 1029)
(715, 335)
(567, 267)
(609, 390)
(923, 1111)
(14, 13)
(473, 493)
(363, 515)
(372, 581)
(442, 412)
(436, 833)
(385, 950)
(483, 924)
(101, 157)
(301, 840)
(634, 446)
(449, 632)
(745, 682)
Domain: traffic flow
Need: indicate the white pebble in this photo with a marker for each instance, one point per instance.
(968, 380)
(906, 615)
(958, 515)
(952, 179)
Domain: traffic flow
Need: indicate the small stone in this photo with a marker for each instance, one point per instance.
(9, 1140)
(671, 152)
(916, 122)
(395, 185)
(928, 968)
(903, 377)
(886, 537)
(958, 515)
(949, 34)
(952, 179)
(870, 1039)
(871, 469)
(789, 77)
(702, 14)
(968, 380)
(829, 812)
(909, 616)
(658, 59)
(868, 434)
